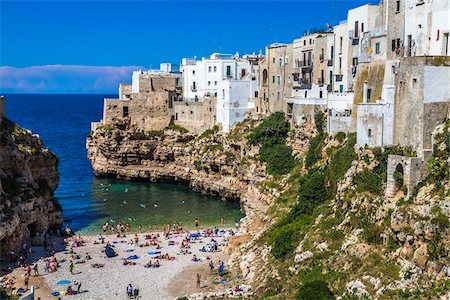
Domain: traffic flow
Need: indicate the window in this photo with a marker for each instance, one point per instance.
(320, 94)
(209, 69)
(265, 76)
(273, 60)
(414, 81)
(194, 87)
(278, 95)
(397, 6)
(393, 48)
(125, 111)
(306, 94)
(215, 82)
(256, 94)
(304, 42)
(228, 71)
(310, 41)
(215, 69)
(280, 62)
(377, 48)
(223, 94)
(332, 52)
(209, 83)
(193, 72)
(273, 79)
(279, 80)
(340, 64)
(369, 94)
(243, 72)
(356, 29)
(369, 132)
(340, 44)
(362, 27)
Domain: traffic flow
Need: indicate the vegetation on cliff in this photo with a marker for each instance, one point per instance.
(335, 233)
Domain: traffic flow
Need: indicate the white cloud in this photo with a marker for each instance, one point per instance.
(64, 79)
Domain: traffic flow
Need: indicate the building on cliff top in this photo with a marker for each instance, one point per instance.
(146, 104)
(218, 90)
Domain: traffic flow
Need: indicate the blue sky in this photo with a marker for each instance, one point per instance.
(139, 34)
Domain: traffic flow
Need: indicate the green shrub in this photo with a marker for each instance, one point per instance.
(341, 161)
(340, 136)
(279, 159)
(286, 233)
(209, 132)
(314, 153)
(316, 289)
(319, 119)
(272, 130)
(176, 127)
(368, 181)
(198, 165)
(271, 136)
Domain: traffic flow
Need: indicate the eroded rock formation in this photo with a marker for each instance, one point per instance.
(28, 179)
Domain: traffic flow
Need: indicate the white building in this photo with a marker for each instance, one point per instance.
(234, 100)
(201, 78)
(341, 57)
(427, 27)
(232, 79)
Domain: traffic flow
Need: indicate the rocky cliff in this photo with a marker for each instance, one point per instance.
(28, 178)
(322, 229)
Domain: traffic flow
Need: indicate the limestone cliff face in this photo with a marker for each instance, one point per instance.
(28, 178)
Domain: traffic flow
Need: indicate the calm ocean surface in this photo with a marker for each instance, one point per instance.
(63, 121)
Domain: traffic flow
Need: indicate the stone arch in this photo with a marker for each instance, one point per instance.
(412, 169)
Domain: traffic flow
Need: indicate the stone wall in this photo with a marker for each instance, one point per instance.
(195, 116)
(417, 113)
(369, 125)
(413, 169)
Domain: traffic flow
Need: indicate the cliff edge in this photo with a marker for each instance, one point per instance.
(28, 179)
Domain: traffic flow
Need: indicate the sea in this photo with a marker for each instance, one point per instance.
(63, 122)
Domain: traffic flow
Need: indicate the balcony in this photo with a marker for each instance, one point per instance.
(330, 63)
(306, 63)
(321, 57)
(320, 81)
(339, 77)
(301, 84)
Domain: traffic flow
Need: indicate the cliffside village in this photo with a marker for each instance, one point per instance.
(383, 73)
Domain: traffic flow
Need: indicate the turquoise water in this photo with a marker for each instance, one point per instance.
(63, 122)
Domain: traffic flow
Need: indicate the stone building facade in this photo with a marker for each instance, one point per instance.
(148, 107)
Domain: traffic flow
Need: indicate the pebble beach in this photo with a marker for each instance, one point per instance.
(174, 278)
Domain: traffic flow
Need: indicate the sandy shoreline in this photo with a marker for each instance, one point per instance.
(173, 279)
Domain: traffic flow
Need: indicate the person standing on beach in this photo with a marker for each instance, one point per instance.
(198, 280)
(140, 228)
(130, 290)
(78, 284)
(197, 222)
(71, 267)
(222, 220)
(35, 269)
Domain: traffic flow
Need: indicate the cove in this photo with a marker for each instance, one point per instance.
(63, 121)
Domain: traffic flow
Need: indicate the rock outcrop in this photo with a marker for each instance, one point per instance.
(28, 179)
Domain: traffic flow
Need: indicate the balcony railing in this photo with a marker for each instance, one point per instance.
(339, 77)
(306, 63)
(330, 63)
